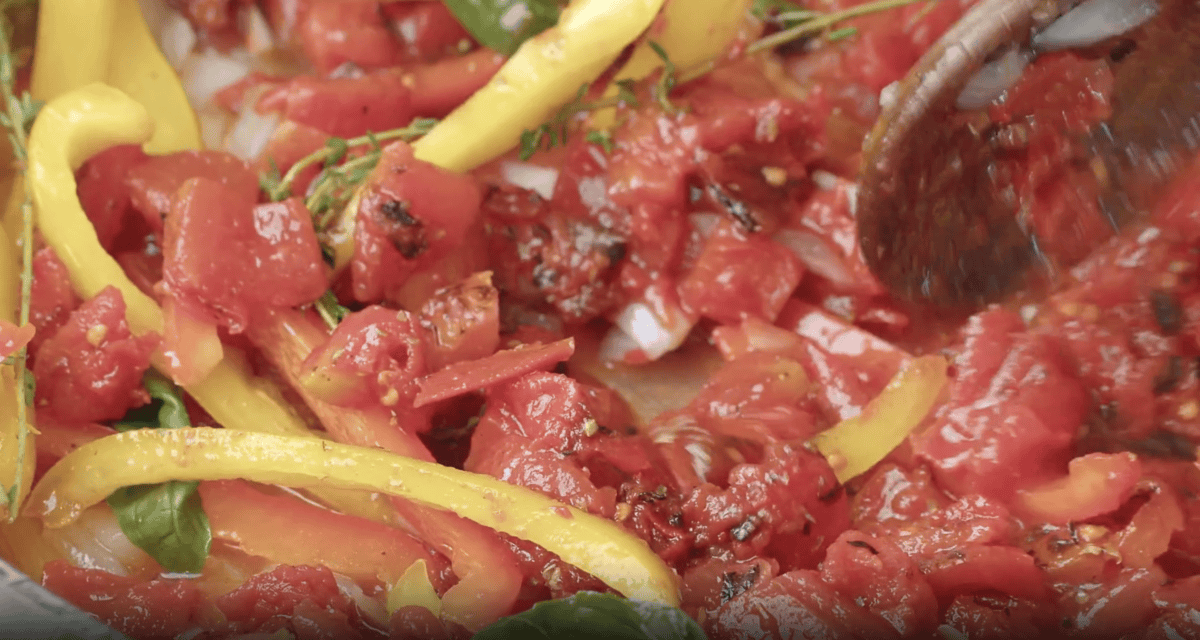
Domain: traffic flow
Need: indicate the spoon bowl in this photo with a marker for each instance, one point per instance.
(936, 224)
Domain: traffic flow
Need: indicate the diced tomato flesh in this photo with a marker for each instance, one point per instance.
(161, 608)
(154, 183)
(91, 369)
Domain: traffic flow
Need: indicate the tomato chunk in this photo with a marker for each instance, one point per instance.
(52, 298)
(499, 367)
(232, 257)
(462, 322)
(334, 33)
(291, 598)
(91, 369)
(153, 184)
(1098, 484)
(102, 190)
(411, 214)
(159, 608)
(740, 275)
(373, 357)
(344, 107)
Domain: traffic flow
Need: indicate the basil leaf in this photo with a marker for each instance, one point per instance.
(167, 521)
(502, 25)
(587, 615)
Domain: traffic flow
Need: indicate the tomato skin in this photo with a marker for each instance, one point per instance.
(334, 33)
(411, 214)
(499, 367)
(154, 183)
(160, 608)
(344, 107)
(374, 356)
(232, 257)
(91, 369)
(740, 275)
(1009, 570)
(102, 190)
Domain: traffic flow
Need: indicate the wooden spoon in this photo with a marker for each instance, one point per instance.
(933, 224)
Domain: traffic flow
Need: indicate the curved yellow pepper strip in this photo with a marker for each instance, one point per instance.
(693, 32)
(544, 73)
(856, 444)
(85, 41)
(596, 545)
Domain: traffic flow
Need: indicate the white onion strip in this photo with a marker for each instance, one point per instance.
(1094, 21)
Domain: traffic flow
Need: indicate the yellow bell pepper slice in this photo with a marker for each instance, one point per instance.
(85, 41)
(596, 545)
(856, 444)
(544, 73)
(693, 32)
(10, 427)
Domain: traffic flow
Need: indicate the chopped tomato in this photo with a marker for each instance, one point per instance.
(292, 598)
(740, 275)
(972, 568)
(439, 87)
(102, 190)
(374, 356)
(1013, 412)
(14, 338)
(161, 608)
(462, 322)
(234, 258)
(51, 299)
(428, 30)
(57, 439)
(411, 214)
(153, 184)
(91, 369)
(337, 33)
(880, 576)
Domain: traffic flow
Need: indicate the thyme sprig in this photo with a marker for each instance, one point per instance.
(20, 110)
(334, 186)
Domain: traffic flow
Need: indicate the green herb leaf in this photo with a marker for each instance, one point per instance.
(602, 138)
(503, 25)
(625, 92)
(587, 615)
(330, 310)
(167, 521)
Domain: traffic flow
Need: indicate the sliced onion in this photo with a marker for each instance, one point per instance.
(176, 38)
(817, 255)
(1094, 21)
(993, 79)
(652, 334)
(251, 131)
(95, 541)
(259, 38)
(214, 122)
(536, 178)
(206, 73)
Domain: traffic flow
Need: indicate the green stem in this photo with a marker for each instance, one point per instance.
(16, 117)
(820, 22)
